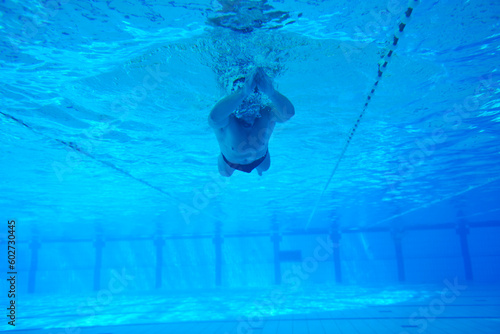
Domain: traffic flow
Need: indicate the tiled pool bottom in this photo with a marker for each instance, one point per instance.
(411, 308)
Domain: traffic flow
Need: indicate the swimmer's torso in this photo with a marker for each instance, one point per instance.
(243, 143)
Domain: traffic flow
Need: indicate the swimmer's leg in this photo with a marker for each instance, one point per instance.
(265, 164)
(224, 168)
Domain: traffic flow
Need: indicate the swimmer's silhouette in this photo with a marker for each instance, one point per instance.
(243, 124)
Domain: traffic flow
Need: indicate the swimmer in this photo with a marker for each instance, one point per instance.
(243, 123)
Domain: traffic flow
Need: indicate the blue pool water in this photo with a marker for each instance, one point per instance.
(109, 168)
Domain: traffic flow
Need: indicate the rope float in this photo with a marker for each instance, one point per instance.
(382, 66)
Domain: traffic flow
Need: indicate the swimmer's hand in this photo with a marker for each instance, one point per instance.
(264, 82)
(249, 86)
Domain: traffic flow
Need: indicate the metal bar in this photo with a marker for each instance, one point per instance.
(218, 259)
(99, 245)
(462, 232)
(265, 234)
(33, 266)
(276, 238)
(398, 247)
(159, 262)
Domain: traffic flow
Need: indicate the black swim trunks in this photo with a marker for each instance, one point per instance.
(247, 168)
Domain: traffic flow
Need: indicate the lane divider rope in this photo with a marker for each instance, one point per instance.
(75, 147)
(382, 66)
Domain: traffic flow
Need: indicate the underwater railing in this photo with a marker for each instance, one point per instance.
(333, 233)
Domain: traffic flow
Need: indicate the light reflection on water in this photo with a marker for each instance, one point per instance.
(208, 305)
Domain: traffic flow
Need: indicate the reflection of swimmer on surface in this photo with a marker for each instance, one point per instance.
(243, 123)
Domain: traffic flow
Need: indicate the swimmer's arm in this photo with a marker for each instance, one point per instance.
(284, 108)
(218, 117)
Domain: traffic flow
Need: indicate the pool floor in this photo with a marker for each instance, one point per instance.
(446, 308)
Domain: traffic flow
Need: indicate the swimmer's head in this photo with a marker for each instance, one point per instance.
(237, 84)
(249, 109)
